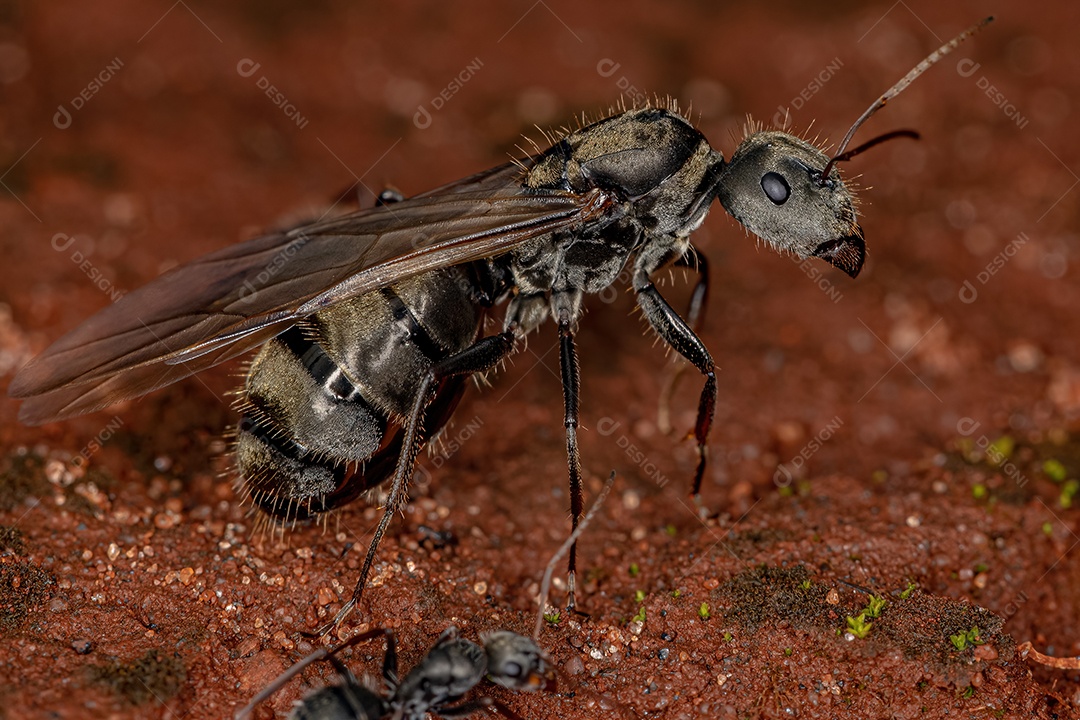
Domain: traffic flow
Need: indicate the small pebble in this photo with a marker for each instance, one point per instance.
(789, 432)
(82, 646)
(164, 521)
(247, 646)
(1025, 357)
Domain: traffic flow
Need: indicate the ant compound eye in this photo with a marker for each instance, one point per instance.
(775, 187)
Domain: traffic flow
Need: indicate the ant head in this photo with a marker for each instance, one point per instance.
(789, 193)
(517, 662)
(776, 186)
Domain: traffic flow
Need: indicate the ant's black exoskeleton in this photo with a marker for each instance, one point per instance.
(437, 685)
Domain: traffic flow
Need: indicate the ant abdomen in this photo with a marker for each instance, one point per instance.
(323, 402)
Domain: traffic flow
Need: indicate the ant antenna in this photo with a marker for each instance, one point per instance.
(893, 92)
(545, 586)
(871, 143)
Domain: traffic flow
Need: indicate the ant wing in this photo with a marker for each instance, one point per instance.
(231, 301)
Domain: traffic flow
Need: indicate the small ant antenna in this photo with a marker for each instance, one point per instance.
(545, 586)
(893, 92)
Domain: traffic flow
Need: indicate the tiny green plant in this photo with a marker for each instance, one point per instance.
(963, 640)
(1048, 529)
(1068, 492)
(639, 596)
(1001, 450)
(640, 617)
(634, 570)
(1054, 469)
(671, 530)
(978, 491)
(805, 585)
(728, 637)
(703, 611)
(874, 606)
(911, 587)
(675, 594)
(552, 618)
(859, 626)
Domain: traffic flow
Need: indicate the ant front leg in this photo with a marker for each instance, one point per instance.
(699, 297)
(280, 680)
(350, 682)
(678, 335)
(479, 357)
(695, 314)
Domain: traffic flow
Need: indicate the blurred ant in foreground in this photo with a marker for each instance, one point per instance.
(440, 681)
(437, 684)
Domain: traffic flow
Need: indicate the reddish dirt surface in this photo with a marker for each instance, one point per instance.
(927, 412)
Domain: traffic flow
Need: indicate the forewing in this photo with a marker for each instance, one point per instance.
(226, 303)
